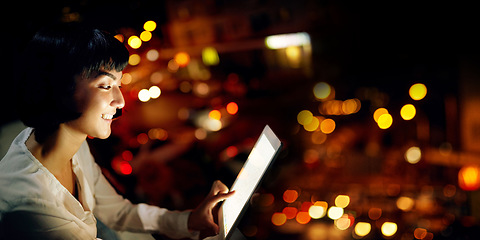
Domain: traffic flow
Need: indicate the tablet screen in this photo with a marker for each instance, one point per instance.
(248, 178)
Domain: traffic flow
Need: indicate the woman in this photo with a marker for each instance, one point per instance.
(50, 186)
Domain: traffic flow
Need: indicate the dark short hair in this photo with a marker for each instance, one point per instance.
(46, 74)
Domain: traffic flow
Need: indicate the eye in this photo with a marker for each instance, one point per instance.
(105, 87)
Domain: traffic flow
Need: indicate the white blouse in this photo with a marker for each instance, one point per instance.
(35, 205)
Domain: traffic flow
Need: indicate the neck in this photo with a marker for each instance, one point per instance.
(57, 151)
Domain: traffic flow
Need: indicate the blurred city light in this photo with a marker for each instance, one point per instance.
(154, 92)
(413, 155)
(322, 90)
(408, 112)
(335, 213)
(279, 219)
(286, 40)
(304, 117)
(150, 26)
(134, 59)
(342, 201)
(327, 126)
(290, 196)
(389, 229)
(182, 59)
(385, 121)
(469, 178)
(418, 91)
(210, 56)
(144, 95)
(134, 42)
(303, 217)
(152, 55)
(215, 114)
(232, 108)
(362, 229)
(146, 36)
(379, 112)
(405, 203)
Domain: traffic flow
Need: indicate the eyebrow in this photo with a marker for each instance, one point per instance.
(106, 74)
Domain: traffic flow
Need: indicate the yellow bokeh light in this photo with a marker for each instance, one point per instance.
(389, 229)
(362, 229)
(146, 36)
(379, 112)
(215, 114)
(385, 121)
(413, 155)
(304, 117)
(127, 78)
(335, 213)
(408, 112)
(182, 59)
(210, 56)
(418, 91)
(134, 42)
(342, 201)
(327, 126)
(313, 125)
(150, 25)
(134, 59)
(405, 203)
(120, 37)
(322, 90)
(469, 178)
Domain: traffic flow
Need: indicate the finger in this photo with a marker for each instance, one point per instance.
(219, 187)
(220, 197)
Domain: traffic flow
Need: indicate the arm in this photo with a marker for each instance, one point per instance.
(120, 214)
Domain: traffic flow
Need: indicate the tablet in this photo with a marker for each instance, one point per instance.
(261, 157)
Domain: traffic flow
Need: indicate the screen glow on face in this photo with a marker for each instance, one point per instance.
(246, 181)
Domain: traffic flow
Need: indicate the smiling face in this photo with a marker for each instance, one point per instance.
(98, 98)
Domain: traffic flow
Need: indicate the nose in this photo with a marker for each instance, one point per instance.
(118, 100)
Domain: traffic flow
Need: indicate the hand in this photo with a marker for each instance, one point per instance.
(202, 219)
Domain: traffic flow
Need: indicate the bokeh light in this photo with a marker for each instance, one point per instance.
(303, 217)
(413, 155)
(385, 121)
(134, 59)
(389, 229)
(290, 212)
(379, 112)
(322, 90)
(146, 36)
(134, 42)
(149, 26)
(278, 219)
(342, 201)
(144, 95)
(408, 112)
(405, 203)
(418, 91)
(335, 213)
(154, 92)
(304, 117)
(210, 56)
(290, 196)
(313, 125)
(232, 108)
(182, 59)
(362, 229)
(215, 114)
(327, 126)
(469, 178)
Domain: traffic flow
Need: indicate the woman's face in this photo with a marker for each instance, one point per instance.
(98, 98)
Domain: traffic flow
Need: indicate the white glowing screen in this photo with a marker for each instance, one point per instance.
(246, 181)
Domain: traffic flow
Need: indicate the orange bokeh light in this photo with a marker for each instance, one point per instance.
(182, 59)
(278, 219)
(232, 108)
(290, 196)
(303, 217)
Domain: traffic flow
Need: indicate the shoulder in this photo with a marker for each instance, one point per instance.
(21, 176)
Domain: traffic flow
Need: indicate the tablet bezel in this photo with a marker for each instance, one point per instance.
(276, 144)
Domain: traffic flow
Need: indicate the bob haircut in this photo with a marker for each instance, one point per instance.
(54, 60)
